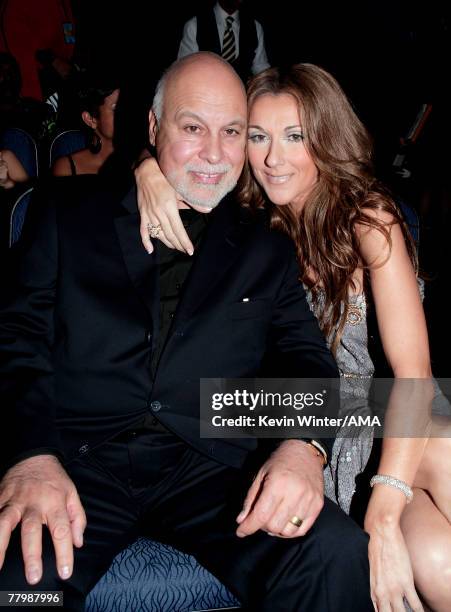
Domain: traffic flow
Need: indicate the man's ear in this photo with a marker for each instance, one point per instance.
(89, 120)
(153, 128)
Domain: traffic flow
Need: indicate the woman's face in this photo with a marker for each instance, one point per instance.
(277, 154)
(105, 120)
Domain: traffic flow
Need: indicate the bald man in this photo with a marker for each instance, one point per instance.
(104, 347)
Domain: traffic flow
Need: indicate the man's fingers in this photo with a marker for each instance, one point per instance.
(41, 491)
(282, 524)
(260, 513)
(281, 514)
(290, 530)
(31, 535)
(9, 519)
(307, 523)
(77, 518)
(60, 530)
(310, 516)
(78, 528)
(250, 499)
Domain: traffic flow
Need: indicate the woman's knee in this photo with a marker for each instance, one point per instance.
(428, 538)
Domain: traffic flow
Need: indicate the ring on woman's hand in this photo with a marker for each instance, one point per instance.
(296, 521)
(153, 230)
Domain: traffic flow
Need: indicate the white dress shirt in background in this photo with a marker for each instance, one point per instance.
(189, 42)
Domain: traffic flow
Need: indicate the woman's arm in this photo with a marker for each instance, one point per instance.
(404, 337)
(11, 170)
(158, 205)
(403, 331)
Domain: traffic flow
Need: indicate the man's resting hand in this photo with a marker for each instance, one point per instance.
(36, 492)
(289, 484)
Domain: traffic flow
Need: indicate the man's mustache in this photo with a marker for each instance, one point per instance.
(208, 168)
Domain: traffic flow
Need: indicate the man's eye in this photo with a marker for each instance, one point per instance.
(232, 132)
(192, 129)
(257, 138)
(298, 137)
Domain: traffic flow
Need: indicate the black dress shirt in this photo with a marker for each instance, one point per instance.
(174, 269)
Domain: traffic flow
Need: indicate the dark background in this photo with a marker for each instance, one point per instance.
(389, 56)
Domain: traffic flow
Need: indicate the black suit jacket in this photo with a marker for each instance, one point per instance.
(77, 332)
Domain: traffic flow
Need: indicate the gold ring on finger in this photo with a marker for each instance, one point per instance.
(296, 521)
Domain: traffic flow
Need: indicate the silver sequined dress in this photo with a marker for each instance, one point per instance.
(350, 455)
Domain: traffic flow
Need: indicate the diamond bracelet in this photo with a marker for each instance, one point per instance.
(393, 482)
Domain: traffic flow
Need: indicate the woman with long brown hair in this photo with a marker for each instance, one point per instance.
(309, 162)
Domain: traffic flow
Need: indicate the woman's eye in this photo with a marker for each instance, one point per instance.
(298, 137)
(257, 138)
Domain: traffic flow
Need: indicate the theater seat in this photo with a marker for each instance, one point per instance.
(66, 143)
(24, 148)
(18, 212)
(152, 577)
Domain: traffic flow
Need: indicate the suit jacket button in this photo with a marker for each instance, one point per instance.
(84, 448)
(149, 337)
(155, 406)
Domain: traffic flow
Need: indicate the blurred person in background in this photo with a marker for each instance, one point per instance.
(97, 104)
(229, 30)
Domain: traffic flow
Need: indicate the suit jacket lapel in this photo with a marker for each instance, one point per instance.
(141, 266)
(219, 250)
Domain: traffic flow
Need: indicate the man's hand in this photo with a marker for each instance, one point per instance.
(289, 484)
(36, 492)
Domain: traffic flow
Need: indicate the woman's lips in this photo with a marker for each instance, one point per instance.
(277, 180)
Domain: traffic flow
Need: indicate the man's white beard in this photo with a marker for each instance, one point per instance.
(203, 195)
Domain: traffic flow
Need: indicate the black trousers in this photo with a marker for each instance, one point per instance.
(153, 484)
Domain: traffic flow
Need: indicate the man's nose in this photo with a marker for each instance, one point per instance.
(212, 149)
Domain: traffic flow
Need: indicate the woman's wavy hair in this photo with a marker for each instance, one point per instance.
(345, 194)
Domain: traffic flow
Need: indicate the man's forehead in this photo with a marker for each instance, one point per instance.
(206, 114)
(213, 89)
